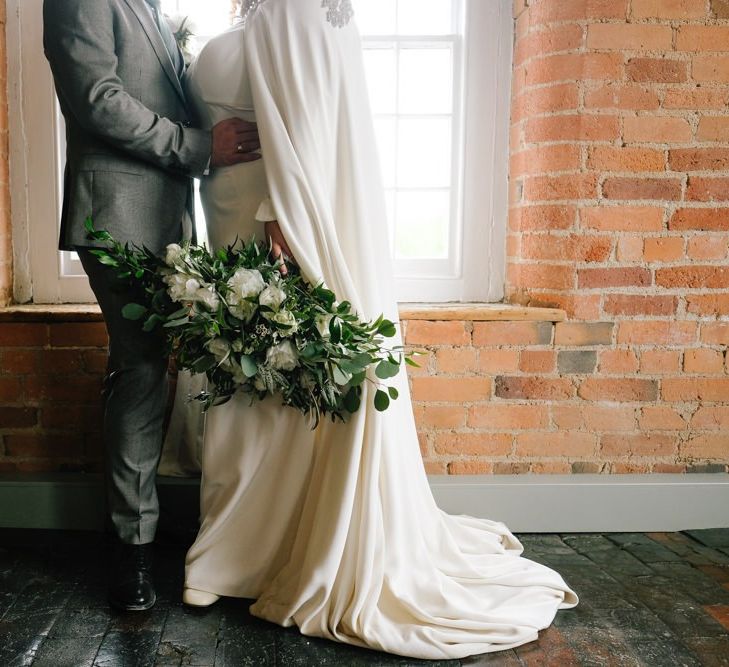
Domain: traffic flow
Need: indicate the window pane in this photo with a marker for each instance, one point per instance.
(376, 17)
(425, 17)
(425, 81)
(422, 225)
(386, 132)
(206, 18)
(381, 68)
(424, 153)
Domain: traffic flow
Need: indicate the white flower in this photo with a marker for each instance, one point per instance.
(219, 348)
(181, 286)
(322, 324)
(259, 384)
(208, 297)
(237, 345)
(244, 310)
(174, 256)
(284, 317)
(246, 282)
(283, 356)
(272, 297)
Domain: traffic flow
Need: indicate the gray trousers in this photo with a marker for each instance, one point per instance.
(135, 398)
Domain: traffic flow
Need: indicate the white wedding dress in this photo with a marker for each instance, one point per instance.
(335, 529)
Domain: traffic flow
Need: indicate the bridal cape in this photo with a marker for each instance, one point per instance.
(335, 530)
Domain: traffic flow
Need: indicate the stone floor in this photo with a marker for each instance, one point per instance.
(646, 599)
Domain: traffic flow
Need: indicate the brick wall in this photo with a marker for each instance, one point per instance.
(6, 264)
(619, 215)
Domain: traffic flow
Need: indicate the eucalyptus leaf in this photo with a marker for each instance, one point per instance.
(386, 369)
(249, 366)
(382, 400)
(393, 392)
(134, 311)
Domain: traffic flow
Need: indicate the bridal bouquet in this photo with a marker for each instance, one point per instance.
(232, 315)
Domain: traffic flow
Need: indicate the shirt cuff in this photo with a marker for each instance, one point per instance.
(206, 171)
(266, 212)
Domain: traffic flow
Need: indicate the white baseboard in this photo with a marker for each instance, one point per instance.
(525, 503)
(589, 502)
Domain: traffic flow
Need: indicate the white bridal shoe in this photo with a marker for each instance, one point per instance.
(196, 598)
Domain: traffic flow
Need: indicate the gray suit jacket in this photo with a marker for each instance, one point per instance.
(131, 150)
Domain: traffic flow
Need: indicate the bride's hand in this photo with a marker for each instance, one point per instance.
(278, 244)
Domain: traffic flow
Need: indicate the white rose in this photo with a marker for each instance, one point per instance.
(284, 317)
(322, 324)
(272, 297)
(244, 310)
(208, 297)
(246, 282)
(181, 286)
(174, 256)
(283, 356)
(219, 348)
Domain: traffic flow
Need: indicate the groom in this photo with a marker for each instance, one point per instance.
(131, 154)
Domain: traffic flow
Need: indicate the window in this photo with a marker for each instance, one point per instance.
(438, 72)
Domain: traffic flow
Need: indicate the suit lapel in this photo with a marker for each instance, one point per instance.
(144, 15)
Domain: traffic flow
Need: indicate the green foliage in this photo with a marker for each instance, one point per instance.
(212, 327)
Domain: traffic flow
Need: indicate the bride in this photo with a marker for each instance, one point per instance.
(334, 529)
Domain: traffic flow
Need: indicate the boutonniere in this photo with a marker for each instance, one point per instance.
(183, 30)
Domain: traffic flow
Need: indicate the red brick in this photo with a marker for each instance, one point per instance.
(583, 333)
(456, 360)
(95, 361)
(661, 418)
(711, 305)
(425, 332)
(577, 306)
(658, 70)
(552, 40)
(703, 361)
(620, 390)
(639, 304)
(17, 417)
(703, 219)
(702, 38)
(512, 333)
(10, 390)
(695, 97)
(695, 389)
(538, 218)
(702, 188)
(638, 187)
(570, 67)
(498, 360)
(609, 418)
(23, 334)
(665, 249)
(86, 334)
(706, 446)
(715, 333)
(712, 277)
(657, 332)
(510, 468)
(78, 418)
(541, 275)
(698, 159)
(622, 218)
(60, 362)
(537, 361)
(720, 9)
(474, 444)
(668, 9)
(712, 418)
(613, 95)
(629, 248)
(550, 158)
(470, 467)
(621, 158)
(555, 443)
(43, 446)
(656, 129)
(639, 444)
(708, 247)
(75, 389)
(500, 416)
(549, 188)
(713, 128)
(575, 10)
(551, 468)
(19, 361)
(577, 247)
(637, 36)
(660, 362)
(712, 69)
(577, 127)
(450, 389)
(613, 277)
(618, 361)
(567, 417)
(516, 387)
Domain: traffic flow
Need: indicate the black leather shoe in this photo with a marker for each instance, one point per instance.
(131, 587)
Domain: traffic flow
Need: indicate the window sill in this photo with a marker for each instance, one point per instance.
(477, 312)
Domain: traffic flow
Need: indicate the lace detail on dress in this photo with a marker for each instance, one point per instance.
(339, 12)
(247, 8)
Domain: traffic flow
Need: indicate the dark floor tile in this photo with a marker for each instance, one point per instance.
(190, 637)
(598, 647)
(711, 537)
(495, 659)
(712, 651)
(551, 648)
(666, 652)
(67, 652)
(138, 621)
(603, 552)
(693, 582)
(17, 650)
(243, 640)
(83, 622)
(689, 620)
(130, 649)
(643, 548)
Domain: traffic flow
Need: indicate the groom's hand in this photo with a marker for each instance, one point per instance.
(234, 141)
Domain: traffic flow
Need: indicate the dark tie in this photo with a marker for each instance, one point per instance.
(167, 37)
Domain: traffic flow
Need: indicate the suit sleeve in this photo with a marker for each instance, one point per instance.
(79, 44)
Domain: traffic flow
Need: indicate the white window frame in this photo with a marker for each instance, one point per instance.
(37, 144)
